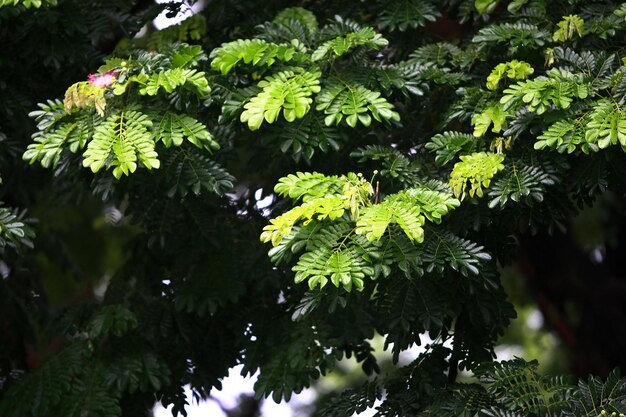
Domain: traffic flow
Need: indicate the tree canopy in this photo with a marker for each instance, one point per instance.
(407, 152)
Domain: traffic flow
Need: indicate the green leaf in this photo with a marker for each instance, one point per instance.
(374, 220)
(112, 319)
(519, 181)
(447, 145)
(191, 170)
(171, 79)
(517, 70)
(568, 27)
(308, 185)
(523, 388)
(486, 6)
(14, 232)
(46, 387)
(256, 52)
(517, 35)
(442, 248)
(607, 125)
(302, 138)
(407, 14)
(342, 44)
(174, 128)
(343, 268)
(493, 113)
(555, 135)
(304, 16)
(120, 141)
(340, 99)
(288, 92)
(559, 90)
(433, 203)
(395, 164)
(478, 169)
(323, 197)
(49, 145)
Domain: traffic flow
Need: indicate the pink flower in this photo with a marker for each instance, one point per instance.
(102, 80)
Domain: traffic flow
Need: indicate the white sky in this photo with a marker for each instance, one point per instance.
(232, 387)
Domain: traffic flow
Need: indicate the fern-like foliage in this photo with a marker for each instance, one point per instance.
(607, 125)
(603, 126)
(564, 136)
(448, 145)
(189, 170)
(477, 168)
(375, 220)
(304, 137)
(433, 202)
(288, 92)
(442, 249)
(49, 383)
(568, 27)
(597, 68)
(299, 14)
(493, 115)
(516, 35)
(341, 99)
(353, 401)
(306, 186)
(346, 237)
(173, 128)
(125, 136)
(49, 144)
(324, 197)
(440, 53)
(594, 397)
(139, 373)
(113, 319)
(169, 80)
(519, 181)
(343, 267)
(256, 52)
(559, 90)
(403, 254)
(395, 165)
(290, 361)
(14, 231)
(517, 70)
(519, 388)
(171, 71)
(511, 388)
(298, 77)
(120, 141)
(48, 114)
(407, 14)
(342, 44)
(35, 4)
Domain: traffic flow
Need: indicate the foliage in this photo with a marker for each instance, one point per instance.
(288, 91)
(28, 3)
(250, 51)
(568, 27)
(14, 232)
(405, 14)
(478, 169)
(120, 135)
(513, 69)
(453, 133)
